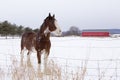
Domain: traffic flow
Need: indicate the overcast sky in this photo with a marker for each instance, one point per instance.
(85, 14)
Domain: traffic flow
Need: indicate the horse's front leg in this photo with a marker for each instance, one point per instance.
(39, 59)
(45, 61)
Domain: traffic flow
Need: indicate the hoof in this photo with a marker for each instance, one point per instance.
(39, 74)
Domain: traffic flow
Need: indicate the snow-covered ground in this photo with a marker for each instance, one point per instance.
(100, 56)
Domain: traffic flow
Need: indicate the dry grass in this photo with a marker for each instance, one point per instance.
(53, 72)
(2, 74)
(28, 72)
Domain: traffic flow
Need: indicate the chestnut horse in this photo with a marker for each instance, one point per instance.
(40, 41)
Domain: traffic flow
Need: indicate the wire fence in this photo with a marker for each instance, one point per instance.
(104, 69)
(100, 69)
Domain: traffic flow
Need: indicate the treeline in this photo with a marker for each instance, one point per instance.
(8, 29)
(73, 31)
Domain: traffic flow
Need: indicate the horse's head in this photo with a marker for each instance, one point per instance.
(51, 25)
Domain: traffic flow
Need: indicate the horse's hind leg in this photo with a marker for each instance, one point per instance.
(28, 58)
(22, 56)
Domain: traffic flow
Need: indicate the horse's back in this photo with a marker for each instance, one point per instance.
(28, 40)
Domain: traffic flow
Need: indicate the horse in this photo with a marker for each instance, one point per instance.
(40, 41)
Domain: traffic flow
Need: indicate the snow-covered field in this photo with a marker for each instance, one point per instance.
(99, 56)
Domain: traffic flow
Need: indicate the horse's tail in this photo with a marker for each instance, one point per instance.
(22, 42)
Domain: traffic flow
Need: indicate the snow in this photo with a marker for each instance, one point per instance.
(79, 48)
(92, 52)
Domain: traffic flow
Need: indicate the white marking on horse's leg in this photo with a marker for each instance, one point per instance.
(39, 67)
(45, 61)
(39, 70)
(22, 56)
(58, 31)
(28, 58)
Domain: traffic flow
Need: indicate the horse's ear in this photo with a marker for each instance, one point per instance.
(49, 15)
(53, 15)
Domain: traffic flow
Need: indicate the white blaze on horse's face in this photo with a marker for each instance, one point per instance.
(58, 31)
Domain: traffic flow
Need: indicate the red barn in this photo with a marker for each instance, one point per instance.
(95, 34)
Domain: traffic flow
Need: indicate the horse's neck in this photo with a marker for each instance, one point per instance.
(42, 29)
(41, 34)
(46, 36)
